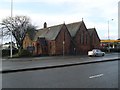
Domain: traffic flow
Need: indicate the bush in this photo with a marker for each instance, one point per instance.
(24, 53)
(115, 50)
(111, 50)
(104, 49)
(6, 52)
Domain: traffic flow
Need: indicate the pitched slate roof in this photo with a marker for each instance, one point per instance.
(49, 33)
(73, 27)
(91, 30)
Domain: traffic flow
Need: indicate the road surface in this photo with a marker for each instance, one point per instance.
(95, 75)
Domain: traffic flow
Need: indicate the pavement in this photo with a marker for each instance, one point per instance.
(38, 63)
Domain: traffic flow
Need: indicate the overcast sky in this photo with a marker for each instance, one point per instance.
(95, 13)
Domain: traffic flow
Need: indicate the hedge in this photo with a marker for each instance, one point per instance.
(24, 53)
(111, 50)
(6, 52)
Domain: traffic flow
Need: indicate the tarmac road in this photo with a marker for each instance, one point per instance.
(94, 75)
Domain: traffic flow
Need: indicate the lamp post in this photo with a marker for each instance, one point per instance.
(11, 28)
(2, 39)
(109, 36)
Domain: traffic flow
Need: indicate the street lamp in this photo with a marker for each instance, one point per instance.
(109, 36)
(11, 28)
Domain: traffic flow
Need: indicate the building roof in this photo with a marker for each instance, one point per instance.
(49, 33)
(73, 27)
(91, 30)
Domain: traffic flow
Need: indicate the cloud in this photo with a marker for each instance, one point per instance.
(41, 1)
(96, 13)
(4, 13)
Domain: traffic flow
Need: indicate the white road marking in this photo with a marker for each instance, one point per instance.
(95, 76)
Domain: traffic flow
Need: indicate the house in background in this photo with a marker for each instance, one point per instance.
(27, 42)
(63, 39)
(28, 39)
(7, 46)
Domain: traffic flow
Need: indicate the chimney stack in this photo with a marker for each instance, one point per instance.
(45, 25)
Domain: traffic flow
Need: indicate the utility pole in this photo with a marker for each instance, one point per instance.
(109, 36)
(11, 28)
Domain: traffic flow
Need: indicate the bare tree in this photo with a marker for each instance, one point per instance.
(19, 25)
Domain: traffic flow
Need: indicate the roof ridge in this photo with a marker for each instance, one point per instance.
(91, 28)
(50, 26)
(55, 25)
(60, 25)
(74, 22)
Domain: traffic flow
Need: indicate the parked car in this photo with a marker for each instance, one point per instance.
(96, 52)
